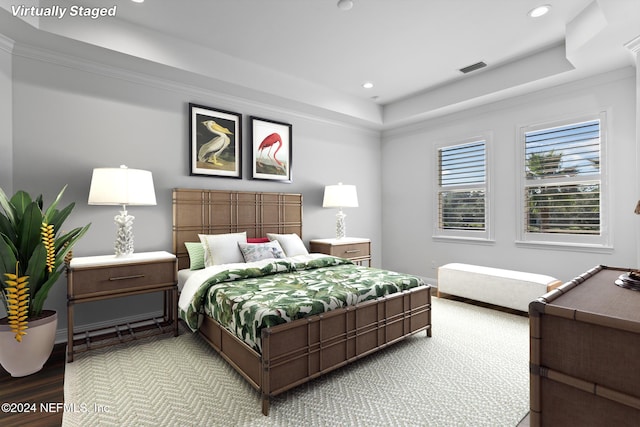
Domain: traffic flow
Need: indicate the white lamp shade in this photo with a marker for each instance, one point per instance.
(121, 186)
(340, 196)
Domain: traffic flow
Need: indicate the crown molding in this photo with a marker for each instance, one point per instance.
(192, 85)
(90, 66)
(634, 45)
(6, 44)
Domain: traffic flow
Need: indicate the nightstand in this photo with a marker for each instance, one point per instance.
(98, 278)
(356, 249)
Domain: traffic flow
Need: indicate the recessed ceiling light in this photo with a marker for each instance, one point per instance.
(345, 4)
(539, 11)
(138, 1)
(367, 85)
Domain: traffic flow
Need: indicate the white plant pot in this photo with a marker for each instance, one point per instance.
(27, 357)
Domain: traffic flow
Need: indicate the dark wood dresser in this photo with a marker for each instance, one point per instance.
(585, 353)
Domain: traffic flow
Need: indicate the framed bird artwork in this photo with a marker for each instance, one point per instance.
(215, 142)
(271, 144)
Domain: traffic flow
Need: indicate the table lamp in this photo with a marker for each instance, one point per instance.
(122, 186)
(340, 196)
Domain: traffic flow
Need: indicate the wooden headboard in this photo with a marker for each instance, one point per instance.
(197, 211)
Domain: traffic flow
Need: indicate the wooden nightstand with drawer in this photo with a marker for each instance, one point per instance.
(104, 277)
(356, 249)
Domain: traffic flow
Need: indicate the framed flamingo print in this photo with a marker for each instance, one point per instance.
(272, 150)
(216, 142)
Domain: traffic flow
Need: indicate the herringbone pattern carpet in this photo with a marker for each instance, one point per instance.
(472, 372)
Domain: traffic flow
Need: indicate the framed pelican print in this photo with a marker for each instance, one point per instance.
(271, 150)
(216, 142)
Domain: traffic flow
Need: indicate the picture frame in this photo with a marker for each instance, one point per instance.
(272, 150)
(215, 140)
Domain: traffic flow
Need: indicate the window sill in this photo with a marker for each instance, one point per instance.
(572, 247)
(460, 239)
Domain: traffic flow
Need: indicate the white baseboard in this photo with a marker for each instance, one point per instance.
(61, 334)
(430, 281)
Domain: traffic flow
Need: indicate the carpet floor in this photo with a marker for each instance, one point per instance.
(473, 371)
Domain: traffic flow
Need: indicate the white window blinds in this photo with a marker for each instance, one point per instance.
(562, 193)
(462, 187)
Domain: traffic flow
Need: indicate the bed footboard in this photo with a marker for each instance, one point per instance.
(297, 352)
(294, 353)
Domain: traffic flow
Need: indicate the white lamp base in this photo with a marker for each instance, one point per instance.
(341, 225)
(124, 234)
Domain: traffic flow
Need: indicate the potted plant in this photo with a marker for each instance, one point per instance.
(32, 258)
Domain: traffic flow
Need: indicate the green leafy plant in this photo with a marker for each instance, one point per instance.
(32, 254)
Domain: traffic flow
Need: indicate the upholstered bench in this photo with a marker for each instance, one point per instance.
(506, 288)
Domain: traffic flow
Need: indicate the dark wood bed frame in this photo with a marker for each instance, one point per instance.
(295, 352)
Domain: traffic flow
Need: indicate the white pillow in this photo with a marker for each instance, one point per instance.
(258, 251)
(292, 244)
(222, 248)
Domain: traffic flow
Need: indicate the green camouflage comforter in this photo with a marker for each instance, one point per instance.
(245, 298)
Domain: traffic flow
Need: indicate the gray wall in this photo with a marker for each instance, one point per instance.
(66, 115)
(70, 117)
(410, 157)
(6, 101)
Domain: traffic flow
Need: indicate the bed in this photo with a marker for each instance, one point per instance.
(273, 355)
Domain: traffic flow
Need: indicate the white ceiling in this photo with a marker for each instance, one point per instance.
(407, 48)
(402, 46)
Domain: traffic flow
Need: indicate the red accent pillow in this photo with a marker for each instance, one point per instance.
(257, 239)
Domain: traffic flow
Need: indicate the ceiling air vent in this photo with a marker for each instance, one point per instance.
(473, 67)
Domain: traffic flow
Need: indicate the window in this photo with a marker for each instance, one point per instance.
(563, 184)
(462, 208)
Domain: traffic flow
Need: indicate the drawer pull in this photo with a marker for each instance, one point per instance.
(135, 276)
(352, 251)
